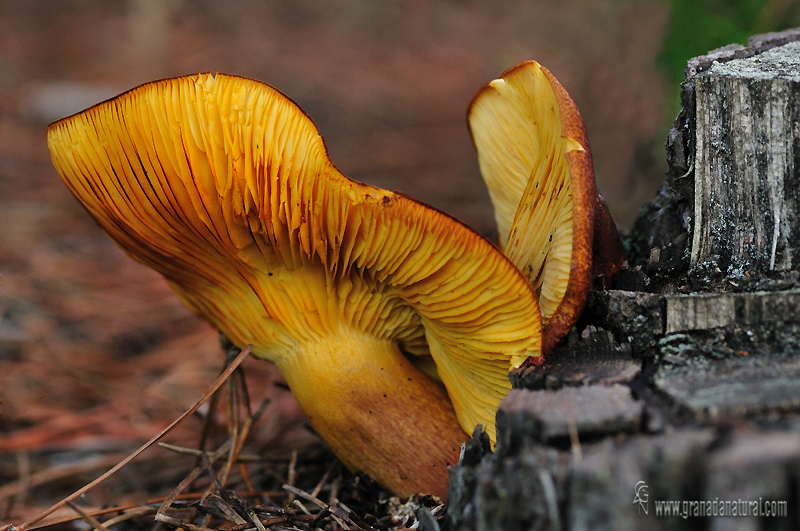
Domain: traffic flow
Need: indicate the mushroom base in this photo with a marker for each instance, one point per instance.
(377, 412)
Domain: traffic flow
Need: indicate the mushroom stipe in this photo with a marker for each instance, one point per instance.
(394, 324)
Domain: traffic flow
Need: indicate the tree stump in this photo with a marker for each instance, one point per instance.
(747, 162)
(682, 384)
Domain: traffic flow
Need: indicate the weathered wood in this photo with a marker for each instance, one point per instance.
(763, 467)
(747, 162)
(635, 318)
(524, 492)
(641, 320)
(741, 385)
(552, 416)
(594, 358)
(706, 311)
(603, 483)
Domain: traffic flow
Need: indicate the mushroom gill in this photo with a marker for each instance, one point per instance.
(534, 156)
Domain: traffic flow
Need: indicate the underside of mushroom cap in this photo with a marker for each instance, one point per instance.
(224, 186)
(534, 156)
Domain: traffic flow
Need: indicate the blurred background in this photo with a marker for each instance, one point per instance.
(95, 351)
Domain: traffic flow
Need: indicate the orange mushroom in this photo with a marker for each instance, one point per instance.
(534, 155)
(394, 325)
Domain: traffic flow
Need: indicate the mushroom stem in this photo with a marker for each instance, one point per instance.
(380, 414)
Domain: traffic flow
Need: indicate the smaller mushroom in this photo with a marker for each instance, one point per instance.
(394, 324)
(534, 156)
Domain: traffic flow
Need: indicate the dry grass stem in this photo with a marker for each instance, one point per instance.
(88, 518)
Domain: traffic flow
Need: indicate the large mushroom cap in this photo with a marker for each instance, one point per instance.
(224, 186)
(534, 156)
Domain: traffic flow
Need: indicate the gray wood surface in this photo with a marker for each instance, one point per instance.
(747, 163)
